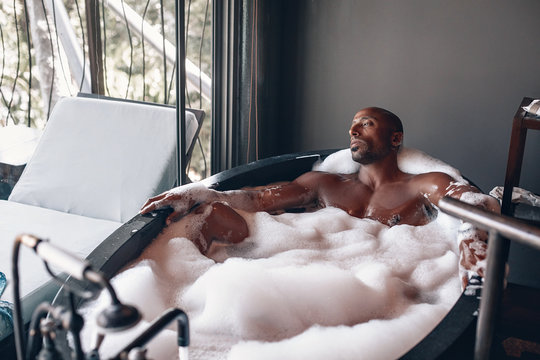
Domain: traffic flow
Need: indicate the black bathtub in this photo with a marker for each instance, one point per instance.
(453, 338)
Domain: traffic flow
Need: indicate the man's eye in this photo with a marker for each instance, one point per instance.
(366, 124)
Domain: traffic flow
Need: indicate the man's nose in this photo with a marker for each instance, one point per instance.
(354, 131)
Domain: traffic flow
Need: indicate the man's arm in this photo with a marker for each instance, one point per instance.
(472, 242)
(182, 199)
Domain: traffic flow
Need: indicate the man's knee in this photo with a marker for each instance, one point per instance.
(223, 224)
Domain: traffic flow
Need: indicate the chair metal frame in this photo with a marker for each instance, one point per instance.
(492, 293)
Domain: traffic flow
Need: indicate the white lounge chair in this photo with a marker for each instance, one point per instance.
(97, 162)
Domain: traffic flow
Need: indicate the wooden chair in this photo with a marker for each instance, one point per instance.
(515, 310)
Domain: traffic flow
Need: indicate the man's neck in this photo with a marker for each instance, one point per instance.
(381, 172)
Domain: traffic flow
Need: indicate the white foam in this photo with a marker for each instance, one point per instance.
(410, 160)
(376, 339)
(314, 285)
(475, 198)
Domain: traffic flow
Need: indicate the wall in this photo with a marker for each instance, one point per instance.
(454, 71)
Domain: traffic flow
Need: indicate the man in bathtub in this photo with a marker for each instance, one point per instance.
(379, 191)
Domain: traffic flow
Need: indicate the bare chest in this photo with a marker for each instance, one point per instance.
(391, 205)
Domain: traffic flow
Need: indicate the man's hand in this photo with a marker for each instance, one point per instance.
(472, 258)
(473, 254)
(472, 242)
(182, 199)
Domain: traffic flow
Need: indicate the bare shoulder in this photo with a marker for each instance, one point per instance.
(436, 185)
(435, 178)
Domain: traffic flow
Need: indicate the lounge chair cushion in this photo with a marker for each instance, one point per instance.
(78, 234)
(102, 158)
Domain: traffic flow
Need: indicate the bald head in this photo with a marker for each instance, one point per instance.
(392, 119)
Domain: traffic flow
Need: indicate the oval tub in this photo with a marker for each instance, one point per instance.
(452, 338)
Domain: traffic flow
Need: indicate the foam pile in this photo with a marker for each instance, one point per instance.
(410, 160)
(321, 285)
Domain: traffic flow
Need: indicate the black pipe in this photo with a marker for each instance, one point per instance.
(34, 341)
(18, 330)
(158, 325)
(95, 53)
(180, 92)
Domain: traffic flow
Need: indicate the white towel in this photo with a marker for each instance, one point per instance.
(533, 107)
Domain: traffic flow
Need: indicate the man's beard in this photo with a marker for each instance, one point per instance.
(363, 154)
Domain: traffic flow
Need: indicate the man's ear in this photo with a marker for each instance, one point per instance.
(397, 138)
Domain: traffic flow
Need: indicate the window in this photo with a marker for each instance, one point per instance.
(47, 53)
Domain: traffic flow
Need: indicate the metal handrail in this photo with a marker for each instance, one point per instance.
(501, 229)
(505, 225)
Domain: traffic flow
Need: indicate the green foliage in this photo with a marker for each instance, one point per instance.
(131, 70)
(15, 80)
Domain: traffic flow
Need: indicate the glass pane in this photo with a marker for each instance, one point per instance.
(138, 62)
